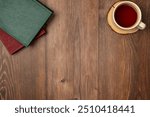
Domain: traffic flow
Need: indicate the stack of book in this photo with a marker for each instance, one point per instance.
(21, 21)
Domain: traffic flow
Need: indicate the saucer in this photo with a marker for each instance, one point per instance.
(113, 25)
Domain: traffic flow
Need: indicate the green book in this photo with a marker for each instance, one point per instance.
(23, 19)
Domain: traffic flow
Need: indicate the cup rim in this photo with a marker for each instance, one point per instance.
(133, 5)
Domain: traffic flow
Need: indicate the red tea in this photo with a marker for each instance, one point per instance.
(125, 16)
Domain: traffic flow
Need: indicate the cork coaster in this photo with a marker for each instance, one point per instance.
(114, 27)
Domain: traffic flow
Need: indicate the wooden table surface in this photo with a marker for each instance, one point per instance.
(80, 57)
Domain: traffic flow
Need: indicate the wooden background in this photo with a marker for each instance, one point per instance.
(80, 57)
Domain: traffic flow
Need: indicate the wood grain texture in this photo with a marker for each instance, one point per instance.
(80, 57)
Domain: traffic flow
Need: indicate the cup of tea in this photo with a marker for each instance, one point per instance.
(127, 16)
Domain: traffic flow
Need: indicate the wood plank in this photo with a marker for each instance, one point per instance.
(89, 25)
(61, 51)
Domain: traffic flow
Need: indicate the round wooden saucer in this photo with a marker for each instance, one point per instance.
(114, 27)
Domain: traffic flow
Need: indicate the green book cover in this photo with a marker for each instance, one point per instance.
(23, 19)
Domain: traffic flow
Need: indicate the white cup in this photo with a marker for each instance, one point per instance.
(138, 24)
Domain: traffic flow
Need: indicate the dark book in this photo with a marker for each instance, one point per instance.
(11, 44)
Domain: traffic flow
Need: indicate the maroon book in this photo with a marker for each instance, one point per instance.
(11, 44)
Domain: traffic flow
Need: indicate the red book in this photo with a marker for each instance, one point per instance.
(11, 44)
